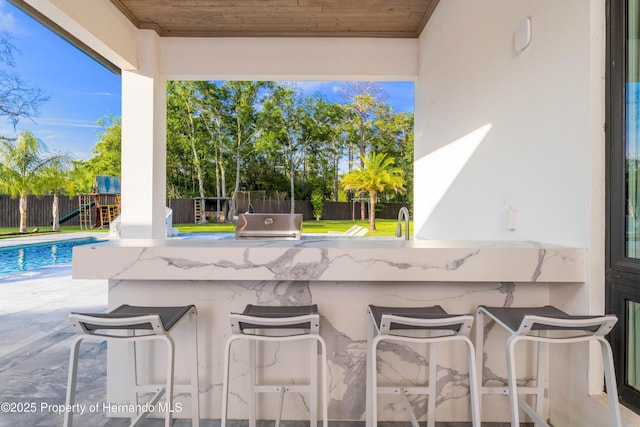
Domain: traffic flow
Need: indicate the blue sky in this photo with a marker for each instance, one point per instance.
(81, 91)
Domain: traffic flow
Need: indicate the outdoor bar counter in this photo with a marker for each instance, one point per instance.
(342, 276)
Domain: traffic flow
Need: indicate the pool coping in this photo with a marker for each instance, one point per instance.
(48, 238)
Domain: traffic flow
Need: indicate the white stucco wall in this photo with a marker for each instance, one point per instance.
(289, 58)
(498, 129)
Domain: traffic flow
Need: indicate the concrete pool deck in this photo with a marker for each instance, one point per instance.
(35, 337)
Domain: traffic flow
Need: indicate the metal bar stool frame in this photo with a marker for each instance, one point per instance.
(308, 326)
(90, 325)
(434, 318)
(542, 320)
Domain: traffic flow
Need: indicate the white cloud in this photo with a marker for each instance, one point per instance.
(104, 94)
(52, 121)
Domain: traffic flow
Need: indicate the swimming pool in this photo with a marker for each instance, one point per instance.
(36, 255)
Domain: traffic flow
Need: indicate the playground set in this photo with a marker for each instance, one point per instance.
(101, 207)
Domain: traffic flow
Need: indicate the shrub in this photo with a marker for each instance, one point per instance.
(317, 201)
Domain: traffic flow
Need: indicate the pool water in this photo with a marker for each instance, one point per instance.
(30, 257)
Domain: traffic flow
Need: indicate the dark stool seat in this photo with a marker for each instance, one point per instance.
(167, 316)
(275, 317)
(400, 324)
(278, 324)
(141, 324)
(523, 319)
(403, 318)
(538, 324)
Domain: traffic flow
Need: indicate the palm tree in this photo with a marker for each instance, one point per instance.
(55, 177)
(22, 162)
(376, 175)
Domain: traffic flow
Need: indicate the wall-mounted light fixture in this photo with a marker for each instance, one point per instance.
(522, 35)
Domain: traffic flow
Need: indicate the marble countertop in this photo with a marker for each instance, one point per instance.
(329, 259)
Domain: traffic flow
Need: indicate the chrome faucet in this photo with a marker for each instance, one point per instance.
(403, 213)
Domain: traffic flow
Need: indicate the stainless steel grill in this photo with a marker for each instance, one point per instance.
(269, 226)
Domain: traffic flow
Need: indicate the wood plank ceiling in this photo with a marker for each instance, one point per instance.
(280, 18)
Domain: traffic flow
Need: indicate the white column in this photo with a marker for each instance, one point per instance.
(144, 144)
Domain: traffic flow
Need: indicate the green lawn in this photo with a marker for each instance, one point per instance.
(386, 227)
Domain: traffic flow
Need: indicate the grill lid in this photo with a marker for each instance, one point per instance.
(269, 226)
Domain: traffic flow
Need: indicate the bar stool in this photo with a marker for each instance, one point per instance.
(534, 324)
(390, 323)
(150, 323)
(278, 324)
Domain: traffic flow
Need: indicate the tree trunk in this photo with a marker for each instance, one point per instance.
(223, 181)
(196, 162)
(192, 139)
(335, 173)
(23, 213)
(217, 169)
(363, 152)
(292, 188)
(287, 151)
(232, 209)
(238, 156)
(56, 213)
(372, 211)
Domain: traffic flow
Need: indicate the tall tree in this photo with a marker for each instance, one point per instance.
(404, 139)
(106, 159)
(377, 175)
(394, 136)
(22, 162)
(181, 99)
(213, 101)
(329, 135)
(244, 96)
(363, 101)
(285, 121)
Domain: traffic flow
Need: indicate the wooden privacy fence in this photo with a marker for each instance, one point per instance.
(39, 210)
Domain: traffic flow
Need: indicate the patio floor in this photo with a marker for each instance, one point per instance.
(35, 338)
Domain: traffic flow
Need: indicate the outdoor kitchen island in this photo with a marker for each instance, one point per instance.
(342, 276)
